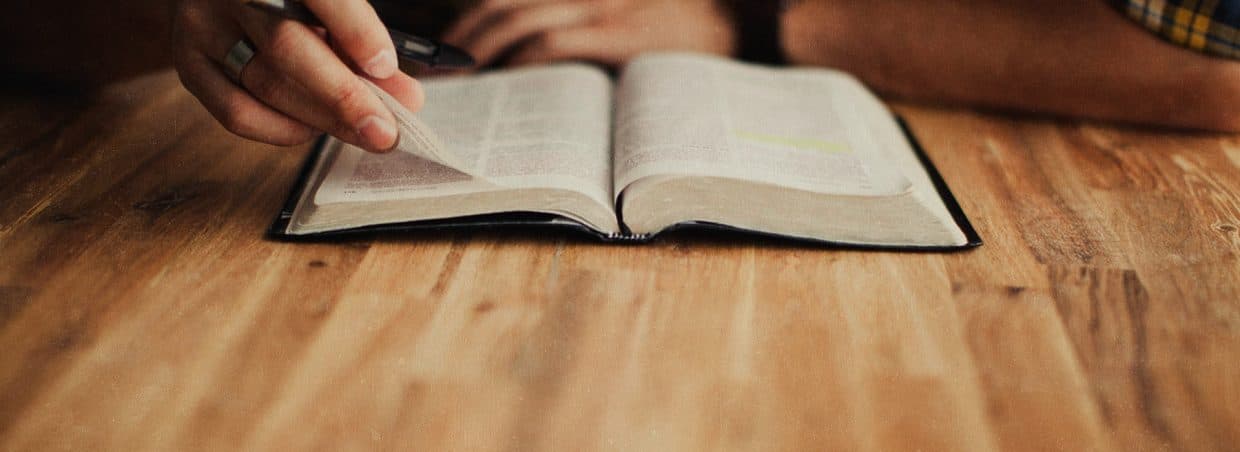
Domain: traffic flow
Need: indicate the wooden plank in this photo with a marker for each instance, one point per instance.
(141, 308)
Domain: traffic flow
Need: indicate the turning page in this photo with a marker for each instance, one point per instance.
(545, 128)
(416, 137)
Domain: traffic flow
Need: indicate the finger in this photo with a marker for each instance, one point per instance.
(262, 80)
(235, 109)
(601, 45)
(355, 27)
(302, 55)
(402, 86)
(477, 17)
(520, 24)
(407, 90)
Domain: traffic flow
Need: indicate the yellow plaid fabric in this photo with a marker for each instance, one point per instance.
(1210, 26)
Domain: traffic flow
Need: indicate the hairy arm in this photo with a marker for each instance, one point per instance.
(85, 42)
(1079, 59)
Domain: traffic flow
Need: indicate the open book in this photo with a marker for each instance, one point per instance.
(680, 140)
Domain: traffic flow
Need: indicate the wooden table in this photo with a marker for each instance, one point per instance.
(141, 307)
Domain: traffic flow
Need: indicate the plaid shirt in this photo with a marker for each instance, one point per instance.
(1210, 26)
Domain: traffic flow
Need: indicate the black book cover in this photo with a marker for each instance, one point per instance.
(547, 221)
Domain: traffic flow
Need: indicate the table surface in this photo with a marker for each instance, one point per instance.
(141, 307)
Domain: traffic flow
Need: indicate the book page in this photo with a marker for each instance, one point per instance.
(416, 137)
(683, 114)
(531, 128)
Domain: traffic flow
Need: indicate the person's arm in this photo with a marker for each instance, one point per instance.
(609, 32)
(1081, 59)
(297, 81)
(298, 85)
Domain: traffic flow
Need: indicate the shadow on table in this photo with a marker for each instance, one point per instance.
(536, 235)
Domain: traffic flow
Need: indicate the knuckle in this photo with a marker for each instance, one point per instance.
(263, 87)
(188, 16)
(349, 100)
(234, 118)
(284, 40)
(234, 125)
(190, 24)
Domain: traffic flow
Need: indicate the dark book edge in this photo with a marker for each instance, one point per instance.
(972, 239)
(546, 221)
(279, 227)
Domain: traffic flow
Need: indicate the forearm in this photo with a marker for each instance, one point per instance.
(85, 42)
(1070, 58)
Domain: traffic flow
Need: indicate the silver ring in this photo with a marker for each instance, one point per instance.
(238, 57)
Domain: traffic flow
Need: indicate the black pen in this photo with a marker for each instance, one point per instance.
(429, 52)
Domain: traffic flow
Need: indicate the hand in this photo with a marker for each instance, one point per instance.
(604, 31)
(301, 81)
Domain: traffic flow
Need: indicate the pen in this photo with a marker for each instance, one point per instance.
(426, 51)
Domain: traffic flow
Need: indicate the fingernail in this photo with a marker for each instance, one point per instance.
(383, 65)
(378, 133)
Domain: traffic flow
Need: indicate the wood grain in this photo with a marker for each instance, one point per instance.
(142, 309)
